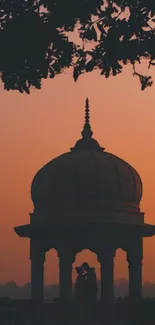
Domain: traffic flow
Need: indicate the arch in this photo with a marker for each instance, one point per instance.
(86, 255)
(51, 275)
(121, 274)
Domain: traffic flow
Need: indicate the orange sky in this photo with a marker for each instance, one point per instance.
(36, 128)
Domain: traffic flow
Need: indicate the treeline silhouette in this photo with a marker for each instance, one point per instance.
(51, 292)
(35, 43)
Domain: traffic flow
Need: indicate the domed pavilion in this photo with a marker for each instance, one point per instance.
(87, 198)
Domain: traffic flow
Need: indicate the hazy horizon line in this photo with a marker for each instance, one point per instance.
(57, 283)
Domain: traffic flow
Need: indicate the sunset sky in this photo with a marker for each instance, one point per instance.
(35, 128)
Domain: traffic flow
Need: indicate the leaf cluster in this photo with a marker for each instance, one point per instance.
(34, 39)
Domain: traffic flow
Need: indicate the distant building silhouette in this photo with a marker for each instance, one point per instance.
(86, 199)
(51, 291)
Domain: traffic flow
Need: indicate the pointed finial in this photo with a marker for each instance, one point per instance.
(87, 111)
(87, 142)
(87, 132)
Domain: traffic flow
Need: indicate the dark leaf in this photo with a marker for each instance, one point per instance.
(52, 74)
(90, 34)
(90, 66)
(76, 73)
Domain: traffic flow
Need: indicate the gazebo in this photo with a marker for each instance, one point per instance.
(87, 198)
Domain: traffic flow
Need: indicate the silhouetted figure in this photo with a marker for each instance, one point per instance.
(80, 292)
(91, 290)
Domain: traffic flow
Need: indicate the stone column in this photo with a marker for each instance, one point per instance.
(37, 256)
(66, 259)
(106, 260)
(134, 257)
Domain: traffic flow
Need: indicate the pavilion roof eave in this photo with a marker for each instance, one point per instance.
(114, 229)
(23, 230)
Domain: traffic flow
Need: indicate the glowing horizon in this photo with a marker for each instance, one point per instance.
(37, 128)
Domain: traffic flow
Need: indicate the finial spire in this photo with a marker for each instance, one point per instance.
(87, 132)
(87, 142)
(87, 111)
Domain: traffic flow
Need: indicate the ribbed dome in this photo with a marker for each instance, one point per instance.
(87, 174)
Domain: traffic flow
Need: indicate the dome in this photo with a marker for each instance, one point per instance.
(87, 176)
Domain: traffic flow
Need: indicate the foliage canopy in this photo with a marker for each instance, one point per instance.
(35, 39)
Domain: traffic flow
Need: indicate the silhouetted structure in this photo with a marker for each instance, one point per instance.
(87, 199)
